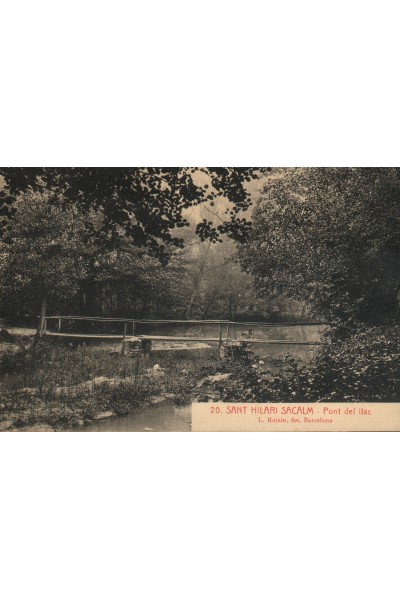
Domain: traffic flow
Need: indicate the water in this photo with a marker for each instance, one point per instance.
(236, 331)
(161, 417)
(165, 416)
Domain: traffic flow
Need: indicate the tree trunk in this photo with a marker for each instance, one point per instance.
(42, 318)
(192, 298)
(103, 303)
(208, 302)
(197, 281)
(145, 306)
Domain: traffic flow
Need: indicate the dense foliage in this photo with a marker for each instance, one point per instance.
(320, 241)
(45, 258)
(145, 205)
(49, 261)
(364, 367)
(330, 237)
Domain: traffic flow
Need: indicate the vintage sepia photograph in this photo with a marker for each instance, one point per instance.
(228, 338)
(179, 299)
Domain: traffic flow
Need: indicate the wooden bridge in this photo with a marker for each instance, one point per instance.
(129, 329)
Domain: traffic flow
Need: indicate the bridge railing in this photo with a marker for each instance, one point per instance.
(129, 328)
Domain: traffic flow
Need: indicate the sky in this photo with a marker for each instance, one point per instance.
(198, 213)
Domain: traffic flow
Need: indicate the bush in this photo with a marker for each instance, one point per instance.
(364, 367)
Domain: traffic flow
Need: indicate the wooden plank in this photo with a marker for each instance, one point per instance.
(84, 335)
(285, 342)
(100, 319)
(168, 338)
(202, 339)
(226, 322)
(149, 322)
(188, 322)
(183, 322)
(177, 339)
(283, 324)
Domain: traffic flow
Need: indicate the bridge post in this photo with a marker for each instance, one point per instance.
(123, 339)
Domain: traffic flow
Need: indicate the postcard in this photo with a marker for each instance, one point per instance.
(199, 299)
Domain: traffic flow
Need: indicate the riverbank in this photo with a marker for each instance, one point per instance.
(54, 387)
(354, 364)
(162, 417)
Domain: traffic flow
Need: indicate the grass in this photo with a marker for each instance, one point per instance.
(58, 386)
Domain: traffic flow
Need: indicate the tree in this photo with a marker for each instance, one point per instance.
(145, 205)
(329, 237)
(127, 282)
(44, 258)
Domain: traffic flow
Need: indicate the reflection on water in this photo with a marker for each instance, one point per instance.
(160, 417)
(236, 331)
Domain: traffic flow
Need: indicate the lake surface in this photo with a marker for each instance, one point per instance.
(160, 417)
(165, 416)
